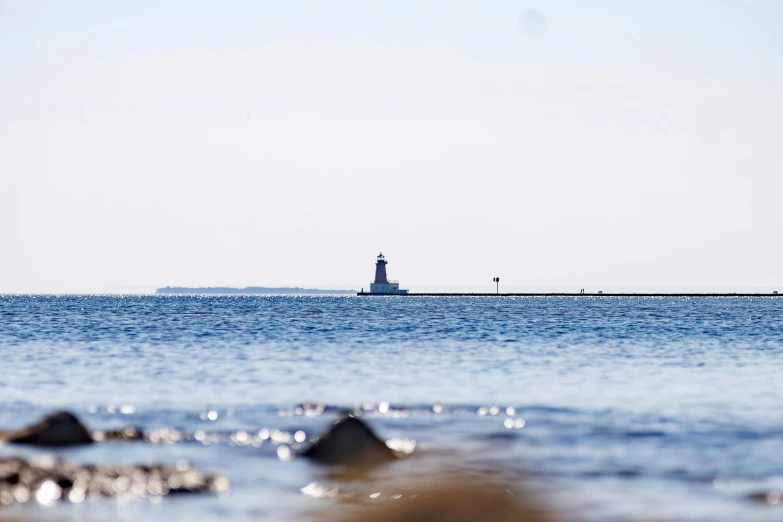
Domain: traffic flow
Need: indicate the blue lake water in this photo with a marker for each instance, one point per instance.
(606, 408)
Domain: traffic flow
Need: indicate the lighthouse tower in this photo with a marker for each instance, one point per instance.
(380, 270)
(382, 285)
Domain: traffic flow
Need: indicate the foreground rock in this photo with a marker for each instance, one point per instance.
(349, 442)
(47, 480)
(771, 497)
(61, 428)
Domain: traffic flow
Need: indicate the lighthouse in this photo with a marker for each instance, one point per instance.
(382, 285)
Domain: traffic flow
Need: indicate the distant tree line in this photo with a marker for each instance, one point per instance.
(247, 290)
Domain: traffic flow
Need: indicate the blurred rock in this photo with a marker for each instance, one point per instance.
(122, 434)
(349, 442)
(771, 497)
(61, 428)
(47, 480)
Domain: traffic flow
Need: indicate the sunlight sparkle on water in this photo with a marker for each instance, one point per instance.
(284, 453)
(48, 492)
(76, 495)
(514, 423)
(317, 490)
(21, 494)
(402, 445)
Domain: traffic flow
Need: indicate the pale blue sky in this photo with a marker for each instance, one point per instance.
(628, 144)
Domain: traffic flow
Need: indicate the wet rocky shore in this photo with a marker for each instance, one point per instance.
(348, 451)
(46, 479)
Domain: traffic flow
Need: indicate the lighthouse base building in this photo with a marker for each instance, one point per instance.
(382, 285)
(386, 288)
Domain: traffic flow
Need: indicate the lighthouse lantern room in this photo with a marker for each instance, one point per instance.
(382, 285)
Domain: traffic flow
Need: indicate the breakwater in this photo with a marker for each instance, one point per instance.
(566, 294)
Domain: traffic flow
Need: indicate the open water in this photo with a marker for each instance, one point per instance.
(606, 408)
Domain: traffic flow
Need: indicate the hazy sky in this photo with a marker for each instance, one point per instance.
(630, 144)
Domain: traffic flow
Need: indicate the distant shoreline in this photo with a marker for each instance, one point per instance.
(248, 290)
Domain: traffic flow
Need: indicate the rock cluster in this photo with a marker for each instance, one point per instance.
(348, 442)
(46, 480)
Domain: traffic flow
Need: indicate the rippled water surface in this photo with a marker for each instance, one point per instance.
(609, 408)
